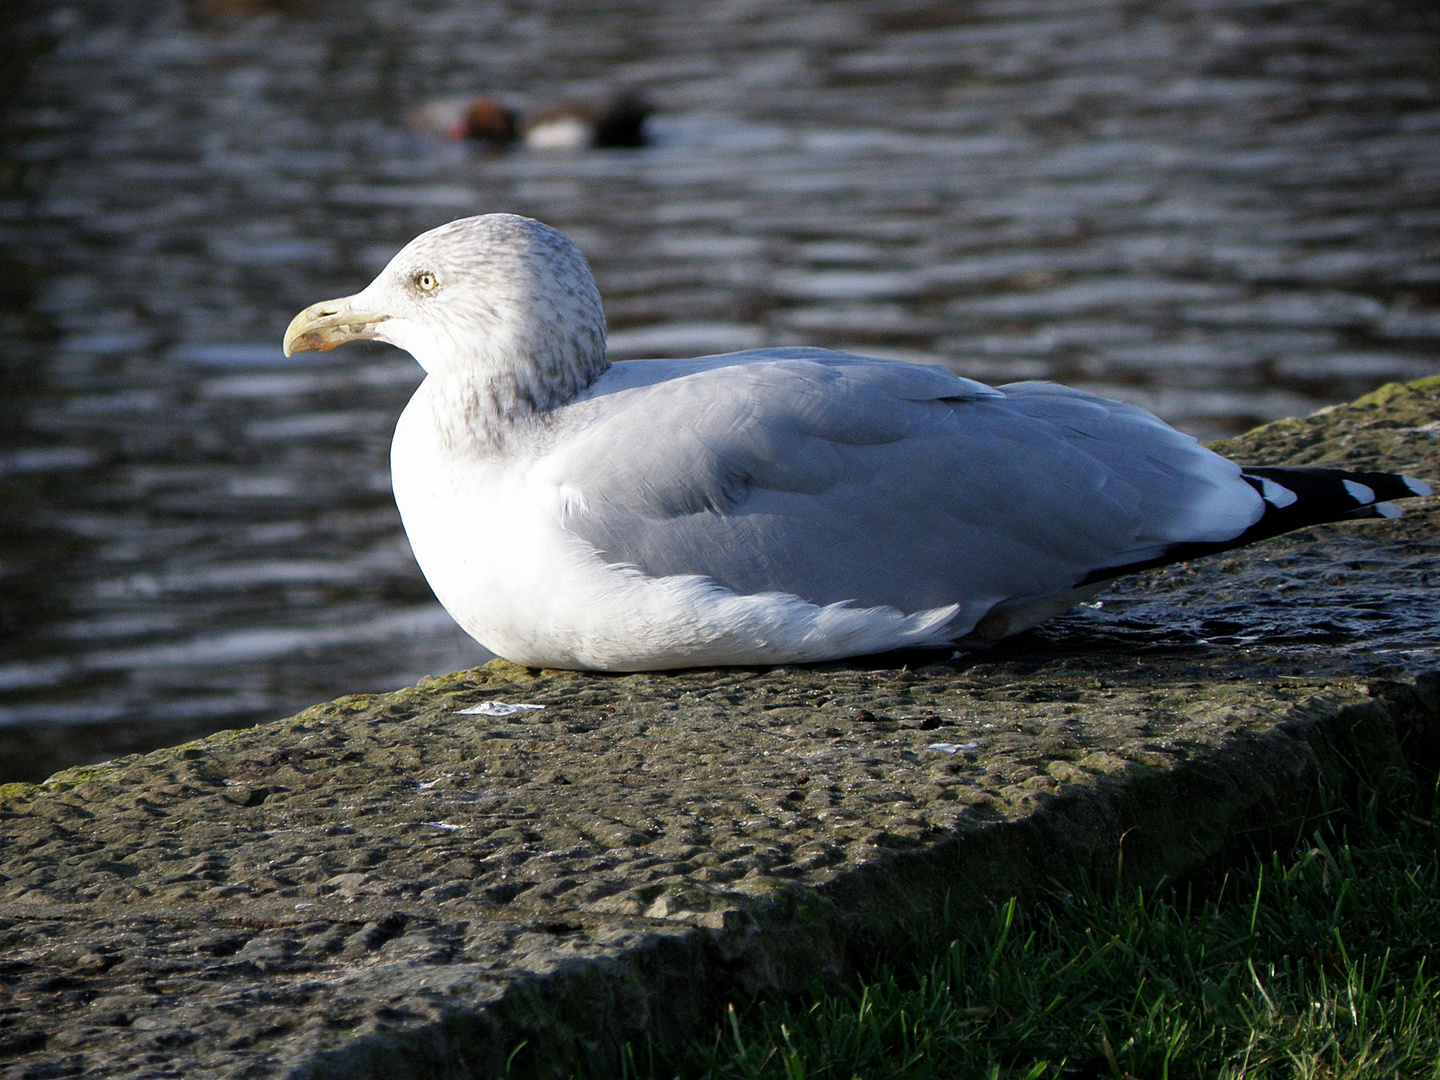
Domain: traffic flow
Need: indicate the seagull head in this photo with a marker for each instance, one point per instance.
(498, 300)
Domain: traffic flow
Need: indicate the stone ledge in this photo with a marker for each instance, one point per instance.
(383, 887)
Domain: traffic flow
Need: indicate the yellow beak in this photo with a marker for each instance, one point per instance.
(321, 327)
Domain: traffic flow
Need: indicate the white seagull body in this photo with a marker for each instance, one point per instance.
(763, 507)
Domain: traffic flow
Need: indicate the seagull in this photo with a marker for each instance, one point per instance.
(771, 506)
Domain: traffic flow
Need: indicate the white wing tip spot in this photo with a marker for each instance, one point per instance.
(1359, 492)
(1387, 510)
(1418, 487)
(1276, 495)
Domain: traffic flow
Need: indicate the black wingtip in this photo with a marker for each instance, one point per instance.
(1316, 496)
(1295, 498)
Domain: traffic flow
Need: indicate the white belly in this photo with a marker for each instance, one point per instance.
(485, 545)
(488, 537)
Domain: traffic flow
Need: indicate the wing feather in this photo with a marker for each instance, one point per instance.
(836, 478)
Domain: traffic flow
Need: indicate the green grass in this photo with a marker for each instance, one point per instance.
(1316, 963)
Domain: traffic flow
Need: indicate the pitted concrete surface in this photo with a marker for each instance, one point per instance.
(388, 886)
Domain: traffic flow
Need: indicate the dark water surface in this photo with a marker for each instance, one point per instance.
(1225, 211)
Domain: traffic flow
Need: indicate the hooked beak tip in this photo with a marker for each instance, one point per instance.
(324, 326)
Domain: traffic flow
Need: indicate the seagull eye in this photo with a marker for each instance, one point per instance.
(425, 281)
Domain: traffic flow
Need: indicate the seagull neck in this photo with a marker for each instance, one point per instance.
(490, 409)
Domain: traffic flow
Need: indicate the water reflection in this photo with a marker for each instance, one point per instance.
(1225, 213)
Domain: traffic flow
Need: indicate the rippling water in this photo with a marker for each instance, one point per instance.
(1225, 211)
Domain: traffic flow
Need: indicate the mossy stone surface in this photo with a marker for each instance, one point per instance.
(386, 886)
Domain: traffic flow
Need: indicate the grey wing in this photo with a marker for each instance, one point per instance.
(842, 479)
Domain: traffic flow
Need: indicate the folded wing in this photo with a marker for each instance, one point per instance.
(841, 478)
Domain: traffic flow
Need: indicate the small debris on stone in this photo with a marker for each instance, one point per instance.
(925, 723)
(496, 708)
(952, 748)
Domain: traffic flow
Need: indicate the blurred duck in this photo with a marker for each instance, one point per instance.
(483, 121)
(565, 126)
(583, 125)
